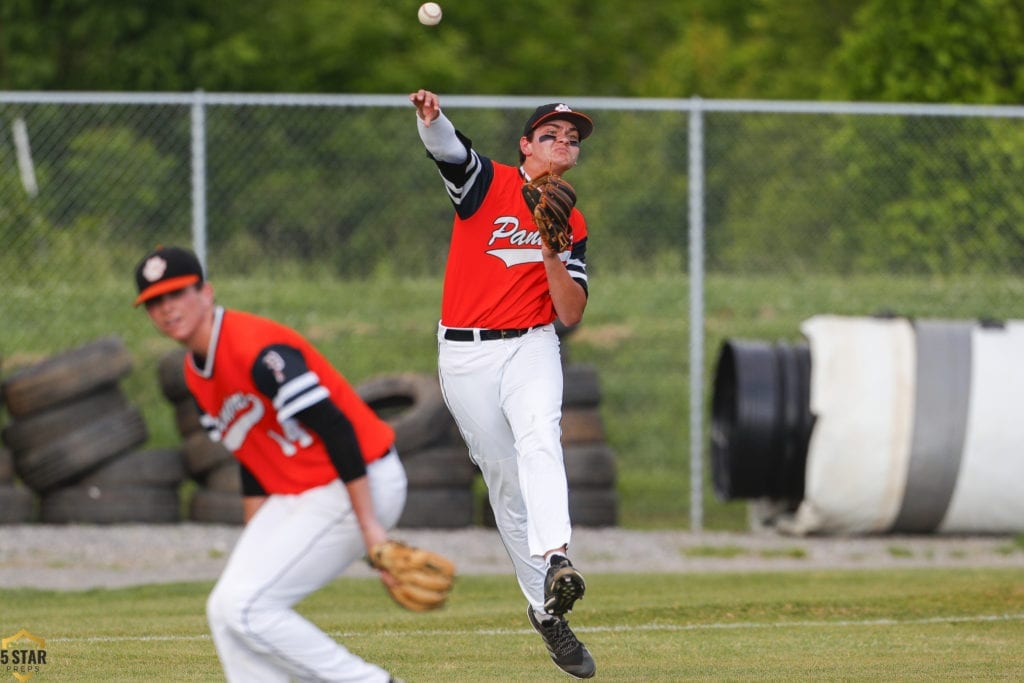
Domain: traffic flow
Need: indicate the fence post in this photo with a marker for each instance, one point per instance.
(199, 177)
(695, 184)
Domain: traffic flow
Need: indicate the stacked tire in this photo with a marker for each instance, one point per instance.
(74, 440)
(217, 496)
(590, 463)
(17, 503)
(440, 473)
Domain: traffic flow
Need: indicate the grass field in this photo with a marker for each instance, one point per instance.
(869, 625)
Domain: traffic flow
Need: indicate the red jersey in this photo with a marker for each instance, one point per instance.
(495, 275)
(257, 375)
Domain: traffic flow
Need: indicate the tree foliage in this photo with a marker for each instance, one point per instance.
(782, 191)
(964, 51)
(899, 50)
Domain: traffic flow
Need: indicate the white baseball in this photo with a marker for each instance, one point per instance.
(429, 14)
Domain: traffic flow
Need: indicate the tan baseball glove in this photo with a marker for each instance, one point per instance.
(422, 578)
(551, 199)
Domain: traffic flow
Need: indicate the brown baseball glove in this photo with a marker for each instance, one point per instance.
(422, 578)
(551, 200)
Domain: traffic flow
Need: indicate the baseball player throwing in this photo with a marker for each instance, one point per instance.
(320, 477)
(498, 351)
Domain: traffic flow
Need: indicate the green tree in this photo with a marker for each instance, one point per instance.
(786, 42)
(896, 50)
(114, 45)
(768, 49)
(967, 51)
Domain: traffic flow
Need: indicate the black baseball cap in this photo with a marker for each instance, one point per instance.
(558, 110)
(166, 269)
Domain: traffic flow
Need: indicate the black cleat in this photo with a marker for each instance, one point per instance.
(567, 652)
(563, 586)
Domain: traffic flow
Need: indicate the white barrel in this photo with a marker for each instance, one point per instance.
(917, 427)
(989, 491)
(862, 379)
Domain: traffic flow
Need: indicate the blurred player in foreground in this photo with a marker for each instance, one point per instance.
(321, 480)
(498, 351)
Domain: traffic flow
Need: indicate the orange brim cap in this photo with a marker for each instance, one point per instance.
(165, 287)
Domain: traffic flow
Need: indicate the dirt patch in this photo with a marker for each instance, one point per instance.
(77, 557)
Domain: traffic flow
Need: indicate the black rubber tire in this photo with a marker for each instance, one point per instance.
(582, 425)
(593, 507)
(186, 416)
(171, 375)
(66, 376)
(46, 426)
(590, 466)
(226, 478)
(6, 466)
(203, 455)
(216, 507)
(412, 404)
(73, 455)
(110, 505)
(440, 467)
(154, 468)
(17, 505)
(437, 509)
(580, 386)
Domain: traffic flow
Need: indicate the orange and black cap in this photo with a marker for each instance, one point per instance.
(164, 270)
(547, 112)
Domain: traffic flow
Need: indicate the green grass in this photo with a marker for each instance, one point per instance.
(906, 625)
(635, 333)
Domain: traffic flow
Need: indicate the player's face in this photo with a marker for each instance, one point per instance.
(182, 315)
(555, 146)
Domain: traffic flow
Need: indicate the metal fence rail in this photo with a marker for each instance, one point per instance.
(90, 180)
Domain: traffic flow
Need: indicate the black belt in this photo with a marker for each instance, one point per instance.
(453, 334)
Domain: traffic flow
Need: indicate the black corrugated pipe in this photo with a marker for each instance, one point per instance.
(760, 420)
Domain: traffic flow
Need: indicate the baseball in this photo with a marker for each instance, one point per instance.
(429, 14)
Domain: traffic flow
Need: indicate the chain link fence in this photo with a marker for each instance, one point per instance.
(708, 220)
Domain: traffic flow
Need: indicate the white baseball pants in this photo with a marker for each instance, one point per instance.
(293, 546)
(506, 397)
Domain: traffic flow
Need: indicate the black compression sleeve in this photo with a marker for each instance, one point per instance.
(338, 436)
